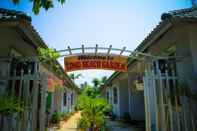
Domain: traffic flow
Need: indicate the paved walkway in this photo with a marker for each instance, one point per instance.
(119, 126)
(71, 124)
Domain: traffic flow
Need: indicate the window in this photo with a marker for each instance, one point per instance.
(65, 98)
(107, 96)
(115, 95)
(72, 99)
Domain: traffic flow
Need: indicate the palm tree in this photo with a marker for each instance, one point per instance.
(96, 82)
(92, 112)
(83, 85)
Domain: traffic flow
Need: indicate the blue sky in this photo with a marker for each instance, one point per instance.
(104, 22)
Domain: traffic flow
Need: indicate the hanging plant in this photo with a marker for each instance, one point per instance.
(139, 84)
(49, 57)
(10, 105)
(46, 54)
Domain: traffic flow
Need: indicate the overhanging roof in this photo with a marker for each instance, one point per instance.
(22, 22)
(165, 24)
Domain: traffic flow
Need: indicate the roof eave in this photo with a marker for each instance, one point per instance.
(156, 33)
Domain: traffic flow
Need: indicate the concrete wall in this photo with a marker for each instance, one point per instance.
(124, 97)
(122, 106)
(136, 100)
(69, 107)
(183, 37)
(116, 106)
(11, 39)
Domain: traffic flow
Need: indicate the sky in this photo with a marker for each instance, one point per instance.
(104, 22)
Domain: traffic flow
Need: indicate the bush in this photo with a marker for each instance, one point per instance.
(83, 123)
(10, 105)
(93, 110)
(65, 116)
(56, 117)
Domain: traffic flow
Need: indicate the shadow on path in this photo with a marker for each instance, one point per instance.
(119, 126)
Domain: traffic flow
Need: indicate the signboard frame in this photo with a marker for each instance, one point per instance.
(95, 61)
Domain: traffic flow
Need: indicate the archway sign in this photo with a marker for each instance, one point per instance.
(98, 58)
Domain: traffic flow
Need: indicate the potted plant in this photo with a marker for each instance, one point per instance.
(56, 118)
(10, 107)
(139, 83)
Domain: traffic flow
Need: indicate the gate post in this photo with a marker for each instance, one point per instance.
(35, 105)
(146, 101)
(43, 102)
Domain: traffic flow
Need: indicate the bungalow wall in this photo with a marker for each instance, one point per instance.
(116, 105)
(19, 38)
(182, 36)
(123, 97)
(136, 100)
(68, 105)
(179, 37)
(14, 42)
(12, 39)
(57, 100)
(65, 99)
(121, 106)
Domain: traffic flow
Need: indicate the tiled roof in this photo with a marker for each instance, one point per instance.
(182, 13)
(6, 14)
(188, 13)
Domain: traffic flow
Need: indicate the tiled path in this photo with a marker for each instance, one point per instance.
(71, 124)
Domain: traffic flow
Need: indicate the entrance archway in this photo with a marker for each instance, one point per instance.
(107, 58)
(116, 59)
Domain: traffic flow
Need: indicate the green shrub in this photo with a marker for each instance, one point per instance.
(65, 115)
(83, 123)
(10, 105)
(56, 117)
(93, 110)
